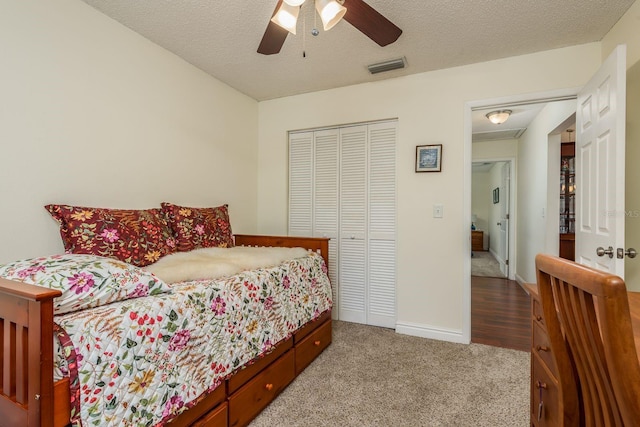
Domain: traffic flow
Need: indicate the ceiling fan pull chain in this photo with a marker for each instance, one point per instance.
(304, 35)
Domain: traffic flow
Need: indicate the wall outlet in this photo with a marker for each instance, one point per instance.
(438, 211)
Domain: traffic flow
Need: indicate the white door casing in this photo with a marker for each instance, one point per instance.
(504, 217)
(600, 161)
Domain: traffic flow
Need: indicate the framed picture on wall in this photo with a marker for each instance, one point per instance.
(496, 195)
(429, 158)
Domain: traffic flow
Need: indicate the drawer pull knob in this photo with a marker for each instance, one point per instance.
(268, 387)
(316, 343)
(542, 348)
(539, 318)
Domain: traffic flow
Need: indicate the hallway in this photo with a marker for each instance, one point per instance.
(500, 313)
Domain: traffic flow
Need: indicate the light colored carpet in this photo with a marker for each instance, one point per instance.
(485, 264)
(372, 376)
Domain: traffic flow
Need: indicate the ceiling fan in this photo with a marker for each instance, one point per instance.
(356, 12)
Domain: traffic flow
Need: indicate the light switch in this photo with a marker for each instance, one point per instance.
(438, 211)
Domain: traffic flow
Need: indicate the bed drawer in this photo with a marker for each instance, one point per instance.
(310, 347)
(311, 326)
(242, 376)
(211, 400)
(215, 418)
(255, 395)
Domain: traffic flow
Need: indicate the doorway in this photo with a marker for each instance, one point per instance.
(491, 196)
(498, 149)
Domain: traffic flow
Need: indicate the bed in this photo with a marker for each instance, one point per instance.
(243, 378)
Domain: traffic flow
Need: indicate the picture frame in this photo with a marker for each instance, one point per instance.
(496, 195)
(429, 158)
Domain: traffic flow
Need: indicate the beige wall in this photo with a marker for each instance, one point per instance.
(626, 31)
(492, 150)
(533, 209)
(481, 199)
(94, 114)
(431, 108)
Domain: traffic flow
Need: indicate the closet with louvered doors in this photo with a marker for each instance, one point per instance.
(342, 185)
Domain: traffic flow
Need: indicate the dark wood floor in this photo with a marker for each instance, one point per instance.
(500, 313)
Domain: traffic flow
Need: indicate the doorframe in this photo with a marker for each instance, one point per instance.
(511, 256)
(531, 98)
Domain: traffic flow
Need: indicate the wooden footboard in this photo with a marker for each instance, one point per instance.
(317, 244)
(26, 361)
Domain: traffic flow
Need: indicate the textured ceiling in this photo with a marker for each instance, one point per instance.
(221, 37)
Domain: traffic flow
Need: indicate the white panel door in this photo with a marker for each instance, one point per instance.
(300, 180)
(353, 214)
(381, 277)
(600, 155)
(325, 203)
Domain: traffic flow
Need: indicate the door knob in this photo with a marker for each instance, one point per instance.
(600, 251)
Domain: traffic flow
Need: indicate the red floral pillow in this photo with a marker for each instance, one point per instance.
(199, 227)
(138, 237)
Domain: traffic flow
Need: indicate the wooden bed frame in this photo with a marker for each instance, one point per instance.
(29, 397)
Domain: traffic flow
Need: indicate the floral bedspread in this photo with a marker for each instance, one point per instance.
(140, 362)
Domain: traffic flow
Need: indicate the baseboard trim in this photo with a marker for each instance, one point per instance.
(520, 280)
(424, 331)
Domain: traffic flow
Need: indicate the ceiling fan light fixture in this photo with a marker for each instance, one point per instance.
(287, 17)
(499, 116)
(331, 12)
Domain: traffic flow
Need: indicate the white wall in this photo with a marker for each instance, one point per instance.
(533, 213)
(431, 109)
(92, 113)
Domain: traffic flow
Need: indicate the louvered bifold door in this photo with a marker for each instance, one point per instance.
(353, 214)
(300, 184)
(381, 310)
(325, 208)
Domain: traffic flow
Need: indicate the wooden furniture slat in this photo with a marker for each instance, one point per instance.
(317, 244)
(9, 381)
(62, 402)
(2, 357)
(22, 364)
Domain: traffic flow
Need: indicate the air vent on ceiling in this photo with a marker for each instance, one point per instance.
(498, 134)
(381, 67)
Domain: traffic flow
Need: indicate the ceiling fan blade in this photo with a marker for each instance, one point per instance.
(370, 22)
(274, 36)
